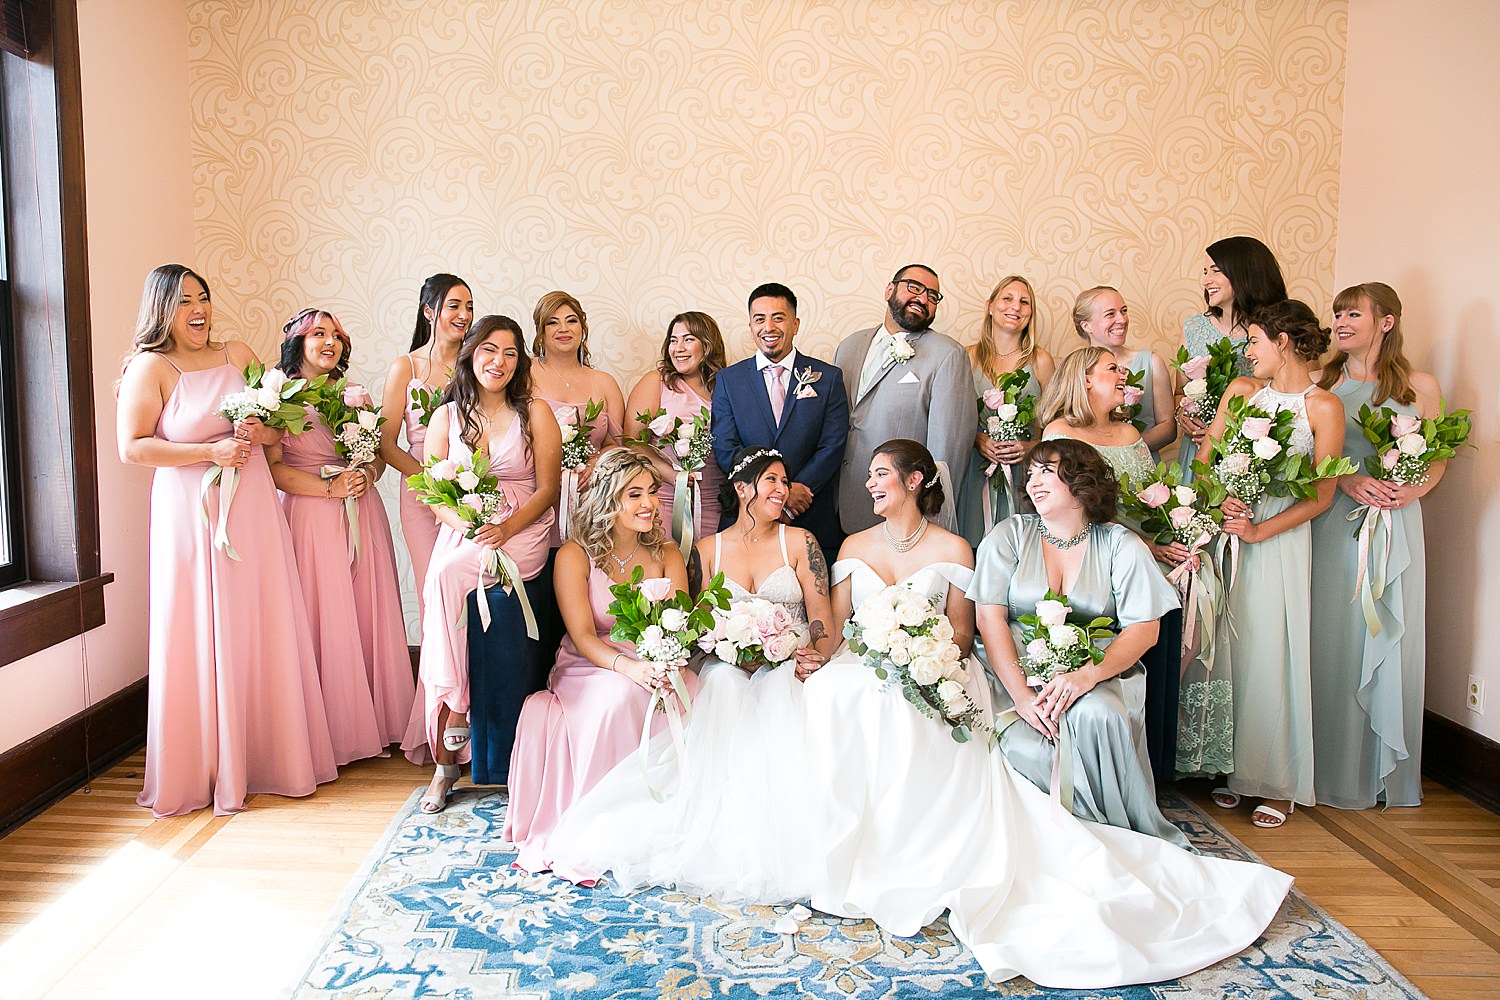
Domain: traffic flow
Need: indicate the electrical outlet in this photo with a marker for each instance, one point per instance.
(1474, 695)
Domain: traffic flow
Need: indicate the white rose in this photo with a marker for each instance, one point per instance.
(953, 695)
(1051, 612)
(662, 425)
(569, 432)
(925, 670)
(900, 657)
(876, 639)
(949, 654)
(913, 613)
(268, 399)
(1266, 449)
(1185, 495)
(685, 432)
(1236, 464)
(1411, 444)
(726, 651)
(925, 645)
(942, 631)
(467, 479)
(879, 618)
(1007, 411)
(369, 419)
(740, 630)
(1062, 636)
(673, 619)
(651, 636)
(1196, 389)
(274, 378)
(899, 641)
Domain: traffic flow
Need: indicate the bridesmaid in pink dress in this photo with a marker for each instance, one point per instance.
(692, 354)
(444, 314)
(488, 407)
(235, 707)
(591, 714)
(353, 610)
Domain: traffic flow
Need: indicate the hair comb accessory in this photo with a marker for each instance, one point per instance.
(754, 456)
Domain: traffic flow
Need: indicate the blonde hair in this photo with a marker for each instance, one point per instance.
(1067, 395)
(1392, 370)
(1083, 307)
(984, 349)
(593, 523)
(547, 307)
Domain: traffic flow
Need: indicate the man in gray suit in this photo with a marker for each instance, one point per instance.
(905, 381)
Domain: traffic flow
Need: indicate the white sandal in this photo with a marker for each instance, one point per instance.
(432, 802)
(1224, 798)
(1269, 817)
(455, 738)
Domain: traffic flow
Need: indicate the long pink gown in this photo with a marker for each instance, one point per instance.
(603, 427)
(235, 705)
(354, 613)
(418, 525)
(571, 735)
(687, 404)
(454, 572)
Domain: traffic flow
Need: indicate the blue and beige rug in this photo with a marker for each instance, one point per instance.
(438, 912)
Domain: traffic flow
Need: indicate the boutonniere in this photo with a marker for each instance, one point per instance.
(902, 351)
(806, 379)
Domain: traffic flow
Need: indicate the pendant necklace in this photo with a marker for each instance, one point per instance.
(621, 562)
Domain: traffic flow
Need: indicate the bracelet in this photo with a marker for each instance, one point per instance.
(615, 661)
(328, 489)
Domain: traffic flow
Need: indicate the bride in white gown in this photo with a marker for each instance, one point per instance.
(883, 815)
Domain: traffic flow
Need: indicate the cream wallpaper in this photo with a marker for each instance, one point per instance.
(652, 157)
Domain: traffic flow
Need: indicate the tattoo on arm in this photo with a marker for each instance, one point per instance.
(695, 573)
(818, 564)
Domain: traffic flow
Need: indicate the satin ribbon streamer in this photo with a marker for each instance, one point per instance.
(496, 563)
(1369, 586)
(228, 480)
(1199, 600)
(677, 710)
(985, 495)
(1061, 791)
(685, 510)
(351, 512)
(569, 488)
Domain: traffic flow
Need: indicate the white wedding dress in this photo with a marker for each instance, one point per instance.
(851, 799)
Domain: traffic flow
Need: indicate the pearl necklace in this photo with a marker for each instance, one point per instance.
(1065, 543)
(907, 543)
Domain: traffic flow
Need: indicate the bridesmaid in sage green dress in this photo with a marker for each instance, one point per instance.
(1239, 275)
(1071, 546)
(1101, 319)
(1007, 343)
(1264, 643)
(1367, 690)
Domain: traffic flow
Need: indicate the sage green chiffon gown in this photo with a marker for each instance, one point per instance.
(1367, 689)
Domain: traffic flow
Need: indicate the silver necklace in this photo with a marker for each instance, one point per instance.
(1065, 543)
(907, 543)
(621, 562)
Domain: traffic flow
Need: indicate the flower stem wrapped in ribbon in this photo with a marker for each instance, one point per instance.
(468, 489)
(904, 638)
(348, 409)
(577, 448)
(280, 403)
(686, 445)
(1405, 448)
(1006, 413)
(664, 626)
(1207, 376)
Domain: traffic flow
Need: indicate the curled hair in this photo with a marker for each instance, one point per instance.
(1392, 370)
(464, 387)
(1083, 471)
(294, 338)
(747, 467)
(1294, 319)
(159, 299)
(1083, 307)
(548, 306)
(1067, 395)
(1253, 274)
(984, 348)
(593, 524)
(772, 290)
(911, 456)
(702, 326)
(434, 290)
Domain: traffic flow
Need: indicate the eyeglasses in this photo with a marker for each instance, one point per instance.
(917, 290)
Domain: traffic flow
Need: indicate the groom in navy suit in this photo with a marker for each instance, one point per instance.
(788, 401)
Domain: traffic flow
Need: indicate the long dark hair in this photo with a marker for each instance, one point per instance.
(463, 390)
(1253, 274)
(434, 290)
(747, 467)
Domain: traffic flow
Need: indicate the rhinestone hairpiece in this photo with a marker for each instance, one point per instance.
(754, 456)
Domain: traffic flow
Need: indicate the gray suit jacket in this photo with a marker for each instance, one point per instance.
(928, 399)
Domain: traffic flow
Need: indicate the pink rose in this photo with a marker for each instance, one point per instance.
(658, 588)
(1390, 458)
(1402, 425)
(1036, 648)
(444, 470)
(567, 415)
(1256, 428)
(1155, 495)
(357, 396)
(682, 448)
(1180, 517)
(662, 425)
(993, 398)
(1133, 394)
(1196, 367)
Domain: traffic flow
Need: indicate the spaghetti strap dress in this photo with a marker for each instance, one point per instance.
(418, 525)
(687, 404)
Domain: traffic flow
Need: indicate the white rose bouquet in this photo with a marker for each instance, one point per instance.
(906, 640)
(1207, 376)
(278, 402)
(754, 633)
(577, 429)
(1054, 645)
(687, 446)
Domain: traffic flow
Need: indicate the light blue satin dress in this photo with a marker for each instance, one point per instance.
(971, 520)
(1367, 690)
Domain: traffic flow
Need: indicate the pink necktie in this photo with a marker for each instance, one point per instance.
(778, 392)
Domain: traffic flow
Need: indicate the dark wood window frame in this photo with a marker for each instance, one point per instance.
(47, 250)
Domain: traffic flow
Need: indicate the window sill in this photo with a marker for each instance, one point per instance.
(37, 616)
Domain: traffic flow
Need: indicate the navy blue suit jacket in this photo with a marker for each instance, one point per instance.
(810, 437)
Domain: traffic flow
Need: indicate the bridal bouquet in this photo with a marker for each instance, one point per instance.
(1055, 645)
(1135, 393)
(1406, 446)
(1206, 376)
(905, 639)
(577, 448)
(753, 633)
(688, 445)
(1263, 453)
(348, 409)
(279, 402)
(1170, 510)
(467, 488)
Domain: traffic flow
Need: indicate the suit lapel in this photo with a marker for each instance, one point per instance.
(912, 339)
(757, 386)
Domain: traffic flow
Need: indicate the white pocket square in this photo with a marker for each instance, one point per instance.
(909, 379)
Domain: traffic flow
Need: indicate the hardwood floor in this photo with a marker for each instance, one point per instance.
(98, 900)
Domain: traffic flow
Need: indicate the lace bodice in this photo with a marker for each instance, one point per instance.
(781, 586)
(1271, 401)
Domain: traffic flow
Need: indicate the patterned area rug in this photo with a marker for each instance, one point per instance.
(438, 912)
